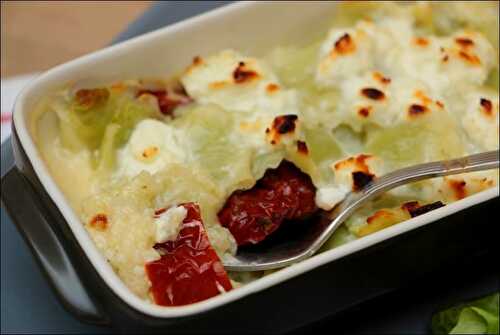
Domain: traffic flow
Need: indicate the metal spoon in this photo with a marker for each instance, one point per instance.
(308, 242)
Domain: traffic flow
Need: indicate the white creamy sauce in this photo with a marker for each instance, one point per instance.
(168, 224)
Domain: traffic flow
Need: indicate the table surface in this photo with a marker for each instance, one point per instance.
(29, 306)
(26, 25)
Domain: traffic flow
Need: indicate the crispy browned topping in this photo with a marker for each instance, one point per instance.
(445, 58)
(373, 93)
(345, 45)
(416, 110)
(487, 106)
(379, 77)
(284, 123)
(419, 210)
(197, 60)
(364, 111)
(150, 152)
(421, 41)
(458, 187)
(440, 104)
(464, 42)
(160, 211)
(88, 98)
(99, 222)
(361, 179)
(379, 214)
(242, 75)
(271, 88)
(302, 147)
(422, 97)
(217, 84)
(358, 161)
(469, 57)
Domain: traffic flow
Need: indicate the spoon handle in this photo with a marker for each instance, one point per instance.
(482, 161)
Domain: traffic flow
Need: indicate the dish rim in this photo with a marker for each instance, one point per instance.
(97, 259)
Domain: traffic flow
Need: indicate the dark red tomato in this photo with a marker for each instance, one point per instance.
(189, 270)
(167, 102)
(284, 193)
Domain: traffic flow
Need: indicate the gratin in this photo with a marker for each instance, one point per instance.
(176, 174)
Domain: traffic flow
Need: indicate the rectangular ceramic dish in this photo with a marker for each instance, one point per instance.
(311, 290)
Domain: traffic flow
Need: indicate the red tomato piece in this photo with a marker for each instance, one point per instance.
(284, 193)
(189, 270)
(167, 102)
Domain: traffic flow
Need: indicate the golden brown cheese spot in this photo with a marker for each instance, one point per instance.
(416, 110)
(302, 147)
(364, 111)
(445, 58)
(361, 174)
(382, 219)
(358, 162)
(99, 222)
(118, 87)
(486, 106)
(380, 214)
(159, 212)
(422, 97)
(421, 41)
(372, 93)
(217, 84)
(242, 75)
(271, 88)
(88, 98)
(197, 60)
(464, 42)
(458, 188)
(282, 125)
(344, 45)
(470, 58)
(439, 104)
(381, 78)
(150, 152)
(360, 179)
(486, 182)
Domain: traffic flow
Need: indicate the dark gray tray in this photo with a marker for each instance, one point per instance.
(28, 304)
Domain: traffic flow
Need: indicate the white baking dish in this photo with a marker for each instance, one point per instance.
(252, 27)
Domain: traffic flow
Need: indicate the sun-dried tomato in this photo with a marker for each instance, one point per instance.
(189, 270)
(167, 102)
(284, 193)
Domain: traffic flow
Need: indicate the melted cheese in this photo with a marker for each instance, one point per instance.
(168, 224)
(344, 53)
(151, 147)
(481, 120)
(238, 83)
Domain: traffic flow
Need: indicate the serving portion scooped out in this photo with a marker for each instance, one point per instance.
(175, 175)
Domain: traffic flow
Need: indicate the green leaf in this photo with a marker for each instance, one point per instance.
(475, 317)
(469, 322)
